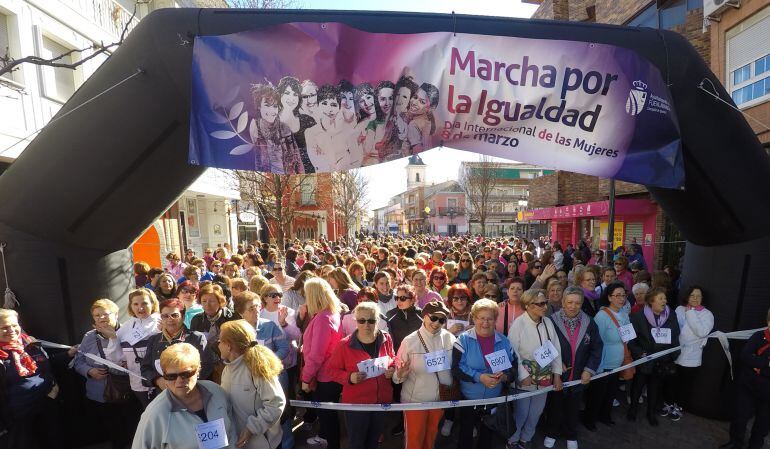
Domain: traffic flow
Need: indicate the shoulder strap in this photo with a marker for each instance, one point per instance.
(99, 346)
(612, 317)
(505, 320)
(427, 351)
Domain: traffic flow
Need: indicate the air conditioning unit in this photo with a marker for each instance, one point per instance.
(712, 9)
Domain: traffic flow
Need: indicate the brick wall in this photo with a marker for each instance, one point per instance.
(563, 187)
(543, 191)
(622, 188)
(618, 12)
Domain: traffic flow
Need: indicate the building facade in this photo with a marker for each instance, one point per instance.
(446, 209)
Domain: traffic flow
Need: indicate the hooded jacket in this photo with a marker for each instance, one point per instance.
(581, 353)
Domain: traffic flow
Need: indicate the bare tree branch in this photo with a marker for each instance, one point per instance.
(479, 182)
(350, 197)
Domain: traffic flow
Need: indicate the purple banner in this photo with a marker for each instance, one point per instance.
(323, 97)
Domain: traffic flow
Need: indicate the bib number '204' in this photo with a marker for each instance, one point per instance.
(212, 434)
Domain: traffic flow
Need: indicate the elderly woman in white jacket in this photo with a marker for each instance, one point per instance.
(143, 323)
(251, 381)
(425, 346)
(534, 338)
(695, 323)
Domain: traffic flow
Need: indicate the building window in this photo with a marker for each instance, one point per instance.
(416, 177)
(307, 191)
(666, 16)
(5, 41)
(748, 60)
(58, 82)
(451, 203)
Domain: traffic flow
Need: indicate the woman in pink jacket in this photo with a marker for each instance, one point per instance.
(318, 342)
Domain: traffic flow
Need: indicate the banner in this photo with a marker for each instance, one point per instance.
(324, 97)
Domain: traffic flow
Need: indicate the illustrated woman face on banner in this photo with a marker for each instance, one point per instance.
(290, 91)
(268, 110)
(328, 102)
(309, 95)
(365, 100)
(384, 99)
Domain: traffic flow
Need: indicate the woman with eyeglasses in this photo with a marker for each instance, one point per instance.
(188, 293)
(438, 281)
(459, 302)
(609, 321)
(406, 317)
(623, 273)
(115, 420)
(363, 364)
(534, 270)
(581, 352)
(319, 340)
(465, 269)
(280, 278)
(424, 365)
(534, 338)
(553, 292)
(144, 322)
(483, 361)
(172, 331)
(586, 280)
(250, 380)
(173, 418)
(423, 295)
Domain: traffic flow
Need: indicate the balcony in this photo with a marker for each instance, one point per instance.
(451, 211)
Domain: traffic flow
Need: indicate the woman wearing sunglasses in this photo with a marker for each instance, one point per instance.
(424, 362)
(173, 418)
(173, 331)
(465, 269)
(251, 381)
(363, 363)
(535, 340)
(459, 302)
(406, 317)
(438, 281)
(366, 294)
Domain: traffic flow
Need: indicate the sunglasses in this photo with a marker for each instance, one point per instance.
(184, 375)
(540, 303)
(403, 298)
(465, 260)
(459, 298)
(365, 321)
(278, 269)
(435, 318)
(275, 295)
(175, 315)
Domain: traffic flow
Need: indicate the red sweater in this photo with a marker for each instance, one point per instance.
(344, 361)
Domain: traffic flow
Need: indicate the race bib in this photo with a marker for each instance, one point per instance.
(437, 361)
(627, 332)
(661, 335)
(545, 354)
(212, 434)
(451, 323)
(136, 335)
(373, 367)
(498, 361)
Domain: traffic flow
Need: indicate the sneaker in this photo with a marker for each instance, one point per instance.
(572, 444)
(316, 441)
(641, 399)
(549, 442)
(676, 413)
(446, 428)
(615, 403)
(666, 410)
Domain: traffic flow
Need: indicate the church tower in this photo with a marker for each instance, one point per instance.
(415, 172)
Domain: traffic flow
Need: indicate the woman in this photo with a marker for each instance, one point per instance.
(459, 302)
(405, 89)
(309, 103)
(294, 298)
(581, 349)
(451, 272)
(438, 282)
(406, 317)
(695, 324)
(586, 280)
(512, 269)
(323, 138)
(274, 150)
(639, 291)
(141, 274)
(609, 321)
(115, 419)
(471, 357)
(381, 135)
(247, 306)
(175, 266)
(622, 272)
(188, 293)
(425, 362)
(385, 295)
(533, 271)
(166, 288)
(172, 331)
(214, 315)
(295, 122)
(422, 294)
(250, 380)
(29, 391)
(558, 256)
(478, 285)
(422, 124)
(513, 308)
(366, 294)
(532, 334)
(363, 364)
(319, 340)
(346, 289)
(465, 270)
(554, 293)
(656, 330)
(173, 418)
(134, 333)
(357, 271)
(753, 392)
(371, 269)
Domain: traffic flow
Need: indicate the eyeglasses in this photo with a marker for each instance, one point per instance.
(459, 298)
(184, 375)
(216, 265)
(175, 315)
(403, 298)
(490, 296)
(440, 278)
(275, 295)
(101, 315)
(540, 303)
(365, 321)
(435, 318)
(187, 290)
(277, 268)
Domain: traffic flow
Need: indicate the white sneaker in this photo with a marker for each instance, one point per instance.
(572, 444)
(446, 428)
(665, 410)
(549, 442)
(615, 403)
(475, 432)
(676, 413)
(316, 441)
(641, 399)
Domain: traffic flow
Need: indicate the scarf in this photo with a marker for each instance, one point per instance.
(384, 298)
(14, 350)
(590, 294)
(651, 316)
(569, 323)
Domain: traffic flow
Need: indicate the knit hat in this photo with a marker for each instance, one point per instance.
(435, 308)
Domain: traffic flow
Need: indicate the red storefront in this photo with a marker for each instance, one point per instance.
(634, 222)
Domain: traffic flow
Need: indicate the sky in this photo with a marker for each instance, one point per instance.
(389, 179)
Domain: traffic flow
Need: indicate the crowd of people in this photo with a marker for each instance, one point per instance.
(212, 349)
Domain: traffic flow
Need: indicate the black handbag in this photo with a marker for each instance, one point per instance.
(501, 421)
(117, 388)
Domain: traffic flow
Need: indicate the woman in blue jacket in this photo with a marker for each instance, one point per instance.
(482, 361)
(581, 353)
